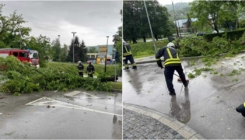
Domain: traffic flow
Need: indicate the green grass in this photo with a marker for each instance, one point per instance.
(117, 85)
(143, 49)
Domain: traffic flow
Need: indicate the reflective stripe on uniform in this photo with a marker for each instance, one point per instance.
(244, 104)
(134, 64)
(158, 59)
(172, 60)
(127, 52)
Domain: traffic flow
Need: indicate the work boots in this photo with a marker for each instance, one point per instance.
(134, 67)
(172, 94)
(126, 68)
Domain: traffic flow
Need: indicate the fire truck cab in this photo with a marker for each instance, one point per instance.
(30, 56)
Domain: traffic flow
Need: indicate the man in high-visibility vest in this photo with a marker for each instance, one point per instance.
(171, 63)
(241, 109)
(127, 54)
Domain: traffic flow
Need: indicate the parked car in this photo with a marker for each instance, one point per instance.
(220, 31)
(200, 33)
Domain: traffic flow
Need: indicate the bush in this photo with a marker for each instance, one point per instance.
(231, 35)
(26, 79)
(200, 47)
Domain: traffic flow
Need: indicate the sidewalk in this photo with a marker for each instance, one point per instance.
(144, 123)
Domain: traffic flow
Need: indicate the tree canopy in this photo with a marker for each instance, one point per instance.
(135, 22)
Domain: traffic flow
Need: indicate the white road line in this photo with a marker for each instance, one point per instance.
(68, 105)
(90, 94)
(73, 93)
(36, 100)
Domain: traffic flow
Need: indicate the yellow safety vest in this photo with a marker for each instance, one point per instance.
(127, 52)
(171, 60)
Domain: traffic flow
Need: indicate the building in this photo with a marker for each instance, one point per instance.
(99, 58)
(181, 24)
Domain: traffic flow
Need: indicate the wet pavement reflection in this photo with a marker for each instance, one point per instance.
(183, 112)
(209, 105)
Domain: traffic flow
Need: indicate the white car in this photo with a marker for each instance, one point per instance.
(219, 31)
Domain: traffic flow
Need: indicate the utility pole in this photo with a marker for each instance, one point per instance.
(175, 20)
(106, 53)
(73, 45)
(20, 38)
(153, 39)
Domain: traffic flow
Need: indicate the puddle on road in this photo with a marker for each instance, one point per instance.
(147, 87)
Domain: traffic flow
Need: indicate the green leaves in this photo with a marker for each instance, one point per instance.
(25, 79)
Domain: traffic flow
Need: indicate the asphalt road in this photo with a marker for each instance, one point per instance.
(59, 115)
(210, 107)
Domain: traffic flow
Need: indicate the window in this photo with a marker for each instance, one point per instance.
(15, 54)
(92, 56)
(23, 54)
(88, 56)
(34, 55)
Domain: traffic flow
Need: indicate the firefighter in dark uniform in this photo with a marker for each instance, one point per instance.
(127, 54)
(117, 56)
(80, 68)
(241, 109)
(90, 69)
(171, 63)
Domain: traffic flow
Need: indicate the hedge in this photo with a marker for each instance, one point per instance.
(231, 35)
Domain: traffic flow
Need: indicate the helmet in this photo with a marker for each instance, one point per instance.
(124, 42)
(79, 62)
(170, 44)
(89, 62)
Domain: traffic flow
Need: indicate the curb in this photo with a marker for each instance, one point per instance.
(179, 127)
(116, 90)
(183, 58)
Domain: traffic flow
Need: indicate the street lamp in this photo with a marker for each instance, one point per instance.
(20, 38)
(153, 39)
(106, 53)
(73, 45)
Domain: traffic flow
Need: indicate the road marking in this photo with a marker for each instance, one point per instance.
(1, 113)
(92, 96)
(65, 105)
(34, 101)
(73, 93)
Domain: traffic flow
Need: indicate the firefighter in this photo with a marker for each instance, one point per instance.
(117, 56)
(241, 109)
(127, 54)
(80, 68)
(90, 69)
(171, 63)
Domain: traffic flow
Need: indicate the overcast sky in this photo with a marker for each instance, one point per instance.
(92, 20)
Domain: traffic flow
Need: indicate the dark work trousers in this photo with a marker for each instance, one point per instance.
(90, 75)
(81, 74)
(169, 73)
(131, 59)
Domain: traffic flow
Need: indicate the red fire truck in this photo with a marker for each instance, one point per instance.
(30, 56)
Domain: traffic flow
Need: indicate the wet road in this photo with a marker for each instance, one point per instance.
(59, 115)
(208, 106)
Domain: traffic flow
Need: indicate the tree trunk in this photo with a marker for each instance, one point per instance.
(156, 37)
(144, 38)
(134, 40)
